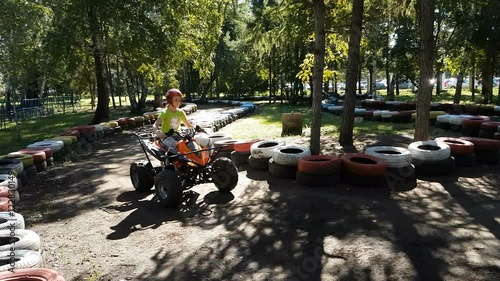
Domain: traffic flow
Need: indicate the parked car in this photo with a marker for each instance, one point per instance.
(452, 83)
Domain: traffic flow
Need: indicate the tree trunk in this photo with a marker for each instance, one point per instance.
(426, 19)
(319, 61)
(359, 80)
(118, 84)
(110, 81)
(347, 126)
(102, 111)
(487, 73)
(458, 90)
(388, 77)
(396, 78)
(371, 86)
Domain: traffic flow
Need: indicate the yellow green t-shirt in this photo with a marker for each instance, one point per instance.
(172, 120)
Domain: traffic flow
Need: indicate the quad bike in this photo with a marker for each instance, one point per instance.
(180, 169)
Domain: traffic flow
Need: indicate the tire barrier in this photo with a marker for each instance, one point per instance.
(31, 274)
(264, 149)
(429, 150)
(9, 218)
(289, 155)
(395, 157)
(20, 239)
(22, 259)
(318, 170)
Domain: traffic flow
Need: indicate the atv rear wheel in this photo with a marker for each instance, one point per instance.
(224, 174)
(168, 188)
(141, 175)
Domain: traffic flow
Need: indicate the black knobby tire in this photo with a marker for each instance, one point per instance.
(141, 175)
(168, 189)
(224, 174)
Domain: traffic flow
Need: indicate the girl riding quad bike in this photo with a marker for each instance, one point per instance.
(180, 169)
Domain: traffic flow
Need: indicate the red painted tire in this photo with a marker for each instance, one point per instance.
(475, 121)
(38, 155)
(318, 164)
(122, 121)
(481, 144)
(75, 133)
(363, 164)
(244, 145)
(85, 129)
(490, 126)
(406, 113)
(48, 152)
(31, 274)
(457, 146)
(228, 145)
(4, 205)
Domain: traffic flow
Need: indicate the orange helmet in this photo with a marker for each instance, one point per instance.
(173, 93)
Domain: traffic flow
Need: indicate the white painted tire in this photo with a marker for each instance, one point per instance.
(396, 157)
(9, 181)
(443, 118)
(202, 139)
(13, 164)
(441, 152)
(46, 144)
(23, 239)
(9, 219)
(457, 119)
(59, 142)
(289, 155)
(23, 259)
(496, 108)
(264, 149)
(218, 136)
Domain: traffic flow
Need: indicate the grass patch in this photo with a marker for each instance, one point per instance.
(265, 123)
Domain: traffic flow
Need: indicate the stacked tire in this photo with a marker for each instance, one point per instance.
(318, 170)
(241, 151)
(461, 150)
(400, 173)
(261, 152)
(363, 170)
(431, 158)
(471, 126)
(486, 150)
(488, 130)
(284, 160)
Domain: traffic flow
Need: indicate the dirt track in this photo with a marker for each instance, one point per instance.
(95, 227)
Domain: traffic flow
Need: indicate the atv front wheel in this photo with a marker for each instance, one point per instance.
(141, 175)
(168, 188)
(224, 174)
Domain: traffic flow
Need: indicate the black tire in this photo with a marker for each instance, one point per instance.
(258, 163)
(466, 160)
(141, 176)
(31, 172)
(487, 157)
(281, 171)
(40, 166)
(435, 168)
(240, 158)
(168, 189)
(362, 181)
(486, 135)
(401, 179)
(317, 180)
(224, 174)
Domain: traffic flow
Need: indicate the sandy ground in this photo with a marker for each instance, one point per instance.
(94, 226)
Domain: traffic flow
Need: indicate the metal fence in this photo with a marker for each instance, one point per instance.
(19, 111)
